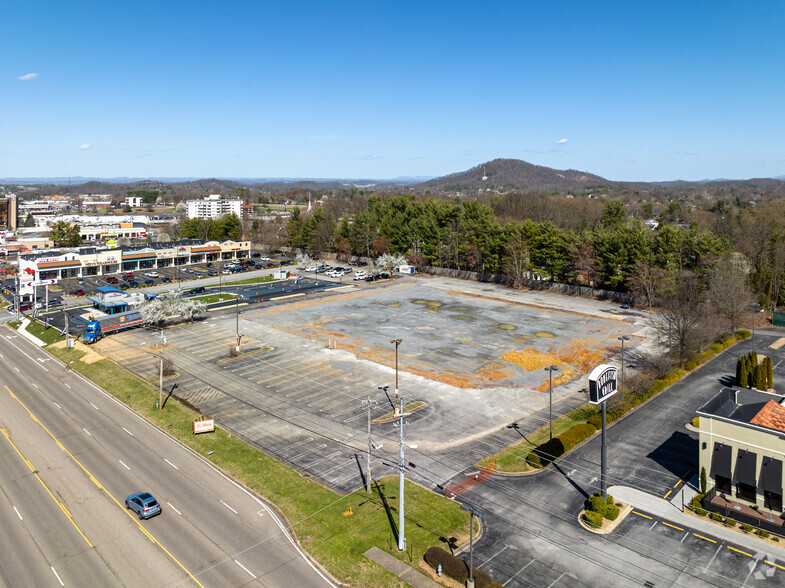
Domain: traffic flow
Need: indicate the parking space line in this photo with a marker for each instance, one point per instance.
(654, 524)
(495, 554)
(556, 580)
(704, 538)
(687, 534)
(672, 526)
(706, 569)
(518, 572)
(641, 514)
(739, 551)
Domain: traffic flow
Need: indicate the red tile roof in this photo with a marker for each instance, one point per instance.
(771, 416)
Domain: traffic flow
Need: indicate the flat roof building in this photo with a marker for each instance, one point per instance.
(213, 206)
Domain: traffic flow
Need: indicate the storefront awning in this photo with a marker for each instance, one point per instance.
(745, 467)
(771, 475)
(720, 461)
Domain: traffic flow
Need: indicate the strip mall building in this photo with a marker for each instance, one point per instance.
(91, 261)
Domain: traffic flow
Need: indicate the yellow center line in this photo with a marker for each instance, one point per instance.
(771, 563)
(677, 483)
(704, 538)
(48, 491)
(641, 515)
(101, 487)
(672, 526)
(668, 494)
(739, 551)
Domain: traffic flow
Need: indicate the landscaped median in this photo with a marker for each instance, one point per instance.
(317, 515)
(538, 450)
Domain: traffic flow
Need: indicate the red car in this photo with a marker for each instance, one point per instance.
(128, 276)
(112, 280)
(26, 306)
(79, 292)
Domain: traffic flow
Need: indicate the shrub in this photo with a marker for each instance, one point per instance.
(700, 512)
(691, 364)
(730, 522)
(593, 518)
(715, 517)
(763, 533)
(595, 421)
(696, 422)
(746, 528)
(703, 480)
(716, 348)
(574, 435)
(609, 500)
(597, 504)
(453, 566)
(775, 538)
(612, 512)
(533, 460)
(742, 334)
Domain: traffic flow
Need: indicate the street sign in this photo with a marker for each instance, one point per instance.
(602, 383)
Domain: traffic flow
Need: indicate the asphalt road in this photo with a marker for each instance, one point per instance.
(70, 454)
(533, 538)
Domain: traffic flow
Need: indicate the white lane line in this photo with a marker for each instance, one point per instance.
(39, 364)
(173, 508)
(17, 514)
(720, 546)
(171, 464)
(654, 524)
(36, 387)
(246, 569)
(94, 406)
(557, 579)
(17, 369)
(518, 572)
(86, 431)
(127, 431)
(58, 406)
(229, 507)
(67, 386)
(1, 355)
(125, 466)
(57, 576)
(495, 554)
(685, 536)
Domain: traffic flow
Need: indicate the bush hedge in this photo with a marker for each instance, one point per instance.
(597, 504)
(746, 528)
(612, 512)
(595, 421)
(544, 454)
(730, 522)
(763, 533)
(593, 518)
(455, 567)
(716, 517)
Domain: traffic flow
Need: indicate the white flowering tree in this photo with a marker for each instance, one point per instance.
(170, 304)
(389, 262)
(304, 259)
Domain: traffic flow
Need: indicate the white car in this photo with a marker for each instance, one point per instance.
(360, 275)
(226, 271)
(311, 268)
(151, 274)
(264, 258)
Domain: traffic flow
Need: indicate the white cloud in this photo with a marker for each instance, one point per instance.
(561, 141)
(85, 146)
(28, 77)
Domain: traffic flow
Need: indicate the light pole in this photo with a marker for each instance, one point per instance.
(550, 369)
(370, 446)
(397, 407)
(473, 512)
(161, 372)
(623, 338)
(754, 306)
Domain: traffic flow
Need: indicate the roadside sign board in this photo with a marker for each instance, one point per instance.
(204, 426)
(602, 383)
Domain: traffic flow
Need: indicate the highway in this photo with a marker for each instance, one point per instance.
(70, 454)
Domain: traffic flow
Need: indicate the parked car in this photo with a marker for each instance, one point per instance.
(149, 282)
(112, 280)
(128, 276)
(384, 276)
(151, 274)
(124, 286)
(197, 290)
(26, 306)
(625, 306)
(212, 273)
(80, 281)
(78, 292)
(133, 284)
(166, 279)
(264, 258)
(361, 275)
(311, 268)
(226, 271)
(143, 504)
(209, 264)
(256, 254)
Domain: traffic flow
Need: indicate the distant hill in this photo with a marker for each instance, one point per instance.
(505, 175)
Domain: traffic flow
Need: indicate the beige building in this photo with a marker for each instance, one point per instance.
(742, 447)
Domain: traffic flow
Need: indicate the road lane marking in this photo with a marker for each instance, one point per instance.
(67, 386)
(171, 464)
(16, 368)
(58, 406)
(38, 477)
(716, 553)
(36, 387)
(672, 526)
(771, 563)
(229, 507)
(125, 466)
(654, 524)
(127, 431)
(667, 493)
(94, 406)
(86, 431)
(173, 508)
(246, 569)
(57, 576)
(687, 534)
(739, 551)
(704, 538)
(641, 514)
(17, 514)
(100, 487)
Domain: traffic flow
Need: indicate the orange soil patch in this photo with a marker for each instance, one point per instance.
(530, 359)
(453, 490)
(582, 358)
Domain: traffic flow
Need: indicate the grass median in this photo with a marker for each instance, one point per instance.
(335, 529)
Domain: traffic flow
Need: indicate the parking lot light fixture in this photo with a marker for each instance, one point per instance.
(550, 369)
(397, 406)
(473, 512)
(623, 338)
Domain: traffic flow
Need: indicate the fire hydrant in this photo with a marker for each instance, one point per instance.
(439, 570)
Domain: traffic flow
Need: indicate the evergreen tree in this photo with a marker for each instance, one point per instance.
(744, 376)
(761, 378)
(769, 373)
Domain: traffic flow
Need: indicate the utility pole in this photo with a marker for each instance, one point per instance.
(550, 369)
(401, 536)
(161, 373)
(397, 405)
(370, 447)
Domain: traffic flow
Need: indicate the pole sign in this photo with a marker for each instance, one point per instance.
(602, 383)
(204, 426)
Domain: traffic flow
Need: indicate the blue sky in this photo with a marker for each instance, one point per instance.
(627, 90)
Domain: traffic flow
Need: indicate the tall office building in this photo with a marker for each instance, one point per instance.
(213, 206)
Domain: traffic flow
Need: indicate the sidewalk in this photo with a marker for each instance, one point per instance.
(672, 512)
(23, 331)
(406, 573)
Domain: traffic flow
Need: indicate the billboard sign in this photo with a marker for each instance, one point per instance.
(602, 383)
(204, 426)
